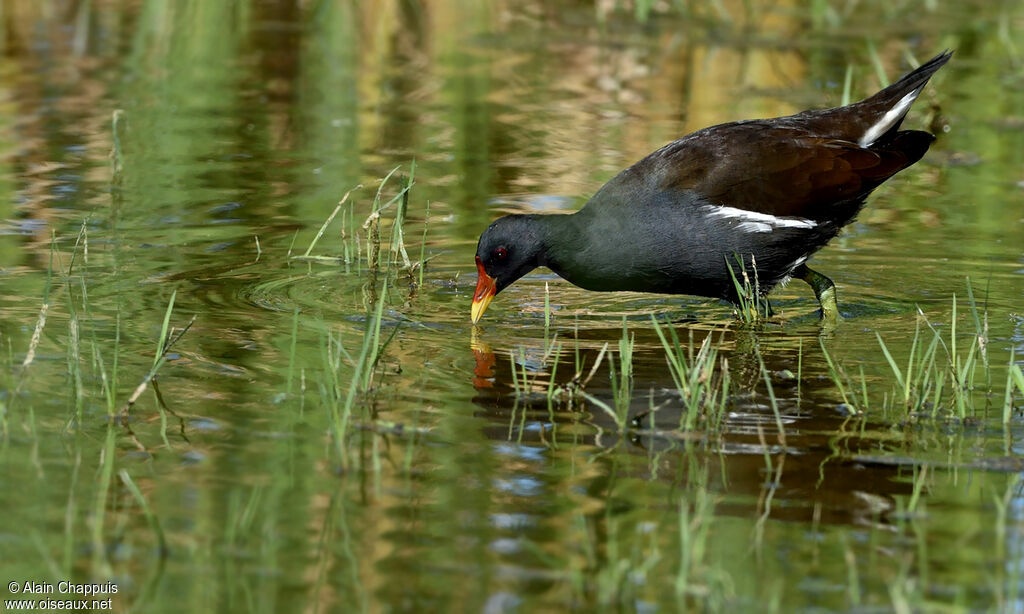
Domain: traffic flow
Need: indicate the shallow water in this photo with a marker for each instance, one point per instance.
(454, 485)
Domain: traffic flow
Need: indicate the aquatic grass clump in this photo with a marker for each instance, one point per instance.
(701, 378)
(922, 386)
(621, 383)
(353, 236)
(703, 390)
(920, 379)
(351, 248)
(167, 340)
(938, 377)
(398, 257)
(347, 376)
(753, 307)
(573, 391)
(844, 384)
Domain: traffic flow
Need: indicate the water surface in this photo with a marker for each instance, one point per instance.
(454, 485)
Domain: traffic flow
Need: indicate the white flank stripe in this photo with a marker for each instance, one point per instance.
(889, 119)
(754, 227)
(752, 221)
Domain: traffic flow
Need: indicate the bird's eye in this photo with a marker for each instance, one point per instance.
(500, 253)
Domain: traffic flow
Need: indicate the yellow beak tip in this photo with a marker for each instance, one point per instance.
(479, 307)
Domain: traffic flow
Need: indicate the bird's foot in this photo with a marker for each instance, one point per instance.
(824, 291)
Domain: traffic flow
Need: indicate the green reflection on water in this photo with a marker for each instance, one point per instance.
(246, 119)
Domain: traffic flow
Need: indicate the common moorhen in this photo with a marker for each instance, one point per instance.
(758, 195)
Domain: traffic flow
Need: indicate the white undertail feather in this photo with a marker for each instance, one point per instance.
(890, 118)
(789, 276)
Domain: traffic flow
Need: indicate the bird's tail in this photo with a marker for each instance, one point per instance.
(888, 107)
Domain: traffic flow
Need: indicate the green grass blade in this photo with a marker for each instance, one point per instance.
(900, 380)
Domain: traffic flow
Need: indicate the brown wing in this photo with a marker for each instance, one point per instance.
(784, 170)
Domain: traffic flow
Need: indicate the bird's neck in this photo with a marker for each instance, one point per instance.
(562, 239)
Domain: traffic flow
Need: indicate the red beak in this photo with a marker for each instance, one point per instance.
(486, 288)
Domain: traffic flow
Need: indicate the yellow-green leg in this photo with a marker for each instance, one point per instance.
(824, 291)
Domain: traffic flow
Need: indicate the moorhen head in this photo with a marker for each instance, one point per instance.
(760, 195)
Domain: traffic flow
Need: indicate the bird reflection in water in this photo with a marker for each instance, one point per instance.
(483, 371)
